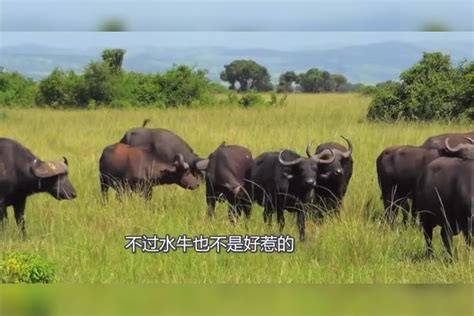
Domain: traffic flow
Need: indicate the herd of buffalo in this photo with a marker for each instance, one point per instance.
(436, 177)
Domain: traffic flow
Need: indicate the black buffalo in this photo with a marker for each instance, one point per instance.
(398, 169)
(438, 141)
(284, 181)
(228, 169)
(23, 174)
(126, 168)
(333, 179)
(165, 144)
(445, 196)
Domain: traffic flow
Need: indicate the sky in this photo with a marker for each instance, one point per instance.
(283, 25)
(231, 15)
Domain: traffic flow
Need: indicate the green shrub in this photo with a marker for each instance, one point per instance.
(430, 90)
(16, 89)
(251, 99)
(276, 100)
(184, 86)
(62, 89)
(25, 268)
(233, 98)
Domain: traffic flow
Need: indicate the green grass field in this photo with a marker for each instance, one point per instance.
(84, 239)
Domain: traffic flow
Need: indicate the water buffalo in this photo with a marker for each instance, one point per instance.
(438, 141)
(127, 168)
(165, 144)
(284, 181)
(333, 178)
(398, 169)
(445, 197)
(23, 174)
(228, 169)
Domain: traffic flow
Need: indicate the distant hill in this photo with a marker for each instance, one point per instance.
(369, 63)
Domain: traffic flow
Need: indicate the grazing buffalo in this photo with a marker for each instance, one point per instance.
(127, 168)
(23, 174)
(165, 144)
(285, 180)
(228, 169)
(398, 169)
(445, 197)
(333, 178)
(438, 141)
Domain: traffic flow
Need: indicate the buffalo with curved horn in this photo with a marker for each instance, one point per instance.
(444, 196)
(333, 178)
(284, 181)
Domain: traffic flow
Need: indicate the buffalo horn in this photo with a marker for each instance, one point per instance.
(318, 158)
(348, 152)
(289, 163)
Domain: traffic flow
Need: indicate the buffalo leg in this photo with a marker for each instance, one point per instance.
(211, 199)
(300, 222)
(388, 204)
(3, 214)
(104, 187)
(245, 207)
(428, 232)
(267, 216)
(405, 208)
(233, 213)
(19, 208)
(447, 236)
(211, 206)
(467, 232)
(281, 218)
(268, 212)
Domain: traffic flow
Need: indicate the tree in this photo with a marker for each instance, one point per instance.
(430, 89)
(114, 58)
(247, 74)
(311, 80)
(15, 89)
(100, 83)
(183, 85)
(339, 81)
(326, 83)
(61, 89)
(286, 81)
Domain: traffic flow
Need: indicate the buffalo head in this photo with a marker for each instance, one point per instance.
(465, 151)
(336, 168)
(186, 176)
(305, 169)
(53, 178)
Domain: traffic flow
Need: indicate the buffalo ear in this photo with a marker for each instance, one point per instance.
(48, 169)
(288, 175)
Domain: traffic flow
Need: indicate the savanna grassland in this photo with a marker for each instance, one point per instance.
(84, 238)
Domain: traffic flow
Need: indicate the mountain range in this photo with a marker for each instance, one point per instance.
(368, 63)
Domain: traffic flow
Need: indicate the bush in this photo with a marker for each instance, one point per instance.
(251, 99)
(101, 83)
(185, 86)
(25, 268)
(275, 100)
(430, 90)
(63, 89)
(16, 89)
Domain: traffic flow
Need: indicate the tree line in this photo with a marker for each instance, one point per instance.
(244, 75)
(433, 88)
(105, 82)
